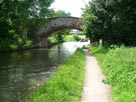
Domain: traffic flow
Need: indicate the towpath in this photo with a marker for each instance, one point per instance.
(94, 89)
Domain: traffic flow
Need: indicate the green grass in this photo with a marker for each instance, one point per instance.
(70, 38)
(67, 38)
(66, 84)
(119, 66)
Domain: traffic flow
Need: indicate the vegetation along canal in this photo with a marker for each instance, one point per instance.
(21, 72)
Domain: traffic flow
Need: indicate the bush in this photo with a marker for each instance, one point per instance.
(28, 42)
(77, 38)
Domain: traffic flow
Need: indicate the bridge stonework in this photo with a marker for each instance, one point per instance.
(55, 24)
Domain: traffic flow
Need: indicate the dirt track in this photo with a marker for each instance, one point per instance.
(94, 89)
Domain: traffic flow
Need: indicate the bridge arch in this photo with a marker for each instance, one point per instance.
(55, 24)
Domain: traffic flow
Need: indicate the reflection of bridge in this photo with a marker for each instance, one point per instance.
(55, 24)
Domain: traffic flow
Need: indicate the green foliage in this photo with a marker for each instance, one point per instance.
(60, 35)
(28, 42)
(52, 40)
(66, 84)
(18, 18)
(119, 66)
(111, 20)
(72, 37)
(69, 38)
(77, 38)
(60, 13)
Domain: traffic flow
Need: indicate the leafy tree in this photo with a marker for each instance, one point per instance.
(17, 18)
(111, 20)
(61, 13)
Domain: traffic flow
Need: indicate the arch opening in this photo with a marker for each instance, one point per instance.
(56, 24)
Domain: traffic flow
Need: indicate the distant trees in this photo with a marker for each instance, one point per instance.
(18, 18)
(111, 20)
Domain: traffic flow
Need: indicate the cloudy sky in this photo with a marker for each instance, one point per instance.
(72, 6)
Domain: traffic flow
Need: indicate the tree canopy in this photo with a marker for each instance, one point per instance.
(114, 21)
(17, 18)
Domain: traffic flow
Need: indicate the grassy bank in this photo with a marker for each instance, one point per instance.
(67, 38)
(119, 66)
(73, 37)
(66, 84)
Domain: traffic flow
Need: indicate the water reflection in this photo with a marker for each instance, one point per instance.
(21, 72)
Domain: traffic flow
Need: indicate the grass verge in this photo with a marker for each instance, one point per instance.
(119, 66)
(66, 84)
(70, 38)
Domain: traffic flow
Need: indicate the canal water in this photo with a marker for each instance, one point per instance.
(21, 72)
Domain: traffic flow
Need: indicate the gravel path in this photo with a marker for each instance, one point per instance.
(94, 89)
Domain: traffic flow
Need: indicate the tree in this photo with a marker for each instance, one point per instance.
(15, 18)
(111, 20)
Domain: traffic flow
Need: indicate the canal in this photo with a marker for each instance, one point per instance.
(23, 71)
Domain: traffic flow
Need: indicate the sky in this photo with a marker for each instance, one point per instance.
(72, 6)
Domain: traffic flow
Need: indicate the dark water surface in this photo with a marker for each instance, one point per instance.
(21, 72)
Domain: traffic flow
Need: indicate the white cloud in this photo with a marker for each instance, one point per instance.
(72, 6)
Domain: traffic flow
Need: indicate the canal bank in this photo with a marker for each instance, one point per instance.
(22, 71)
(66, 84)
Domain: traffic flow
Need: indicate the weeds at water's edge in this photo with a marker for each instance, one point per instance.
(66, 84)
(119, 66)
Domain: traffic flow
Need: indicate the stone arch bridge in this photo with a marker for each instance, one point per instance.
(55, 24)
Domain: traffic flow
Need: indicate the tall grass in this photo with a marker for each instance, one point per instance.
(66, 84)
(119, 66)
